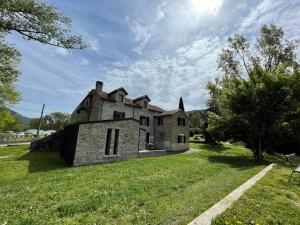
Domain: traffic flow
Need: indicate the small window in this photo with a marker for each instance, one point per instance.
(144, 120)
(160, 121)
(145, 104)
(87, 103)
(181, 138)
(147, 137)
(118, 115)
(108, 140)
(116, 142)
(180, 122)
(120, 98)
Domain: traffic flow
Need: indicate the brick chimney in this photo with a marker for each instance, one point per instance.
(99, 86)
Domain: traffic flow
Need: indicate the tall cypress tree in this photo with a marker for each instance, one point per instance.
(181, 106)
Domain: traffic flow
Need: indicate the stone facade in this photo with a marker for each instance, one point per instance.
(139, 125)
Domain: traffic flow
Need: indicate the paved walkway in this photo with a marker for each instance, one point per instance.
(6, 156)
(15, 144)
(207, 217)
(191, 151)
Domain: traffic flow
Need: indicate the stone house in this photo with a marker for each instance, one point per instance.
(113, 127)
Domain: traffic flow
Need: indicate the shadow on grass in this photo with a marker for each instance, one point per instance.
(241, 162)
(215, 147)
(43, 161)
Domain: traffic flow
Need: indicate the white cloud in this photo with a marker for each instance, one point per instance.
(62, 51)
(166, 78)
(84, 61)
(160, 14)
(93, 44)
(142, 34)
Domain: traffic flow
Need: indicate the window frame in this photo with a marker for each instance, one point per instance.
(118, 115)
(181, 139)
(144, 120)
(160, 121)
(120, 98)
(180, 121)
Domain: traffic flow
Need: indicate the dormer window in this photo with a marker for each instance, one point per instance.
(145, 104)
(120, 98)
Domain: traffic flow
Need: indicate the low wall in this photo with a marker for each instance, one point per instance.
(52, 142)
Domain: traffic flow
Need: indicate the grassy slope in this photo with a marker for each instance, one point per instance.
(271, 201)
(35, 188)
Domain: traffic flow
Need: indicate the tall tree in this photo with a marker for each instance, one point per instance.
(9, 58)
(38, 21)
(54, 121)
(257, 93)
(33, 20)
(6, 117)
(181, 105)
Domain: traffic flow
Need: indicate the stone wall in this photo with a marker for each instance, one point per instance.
(166, 135)
(91, 141)
(50, 143)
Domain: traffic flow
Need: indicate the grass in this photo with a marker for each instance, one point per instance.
(271, 201)
(36, 188)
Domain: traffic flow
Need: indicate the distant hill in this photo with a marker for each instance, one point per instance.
(195, 111)
(25, 120)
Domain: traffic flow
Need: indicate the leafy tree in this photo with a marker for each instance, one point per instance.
(15, 125)
(54, 121)
(6, 117)
(33, 20)
(38, 21)
(9, 57)
(34, 124)
(257, 96)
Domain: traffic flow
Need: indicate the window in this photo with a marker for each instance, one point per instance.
(145, 104)
(116, 142)
(160, 121)
(181, 138)
(87, 103)
(108, 140)
(120, 98)
(180, 122)
(118, 115)
(144, 120)
(147, 137)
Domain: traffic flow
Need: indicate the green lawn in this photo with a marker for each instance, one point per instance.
(271, 201)
(36, 188)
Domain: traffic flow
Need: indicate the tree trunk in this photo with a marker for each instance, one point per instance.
(257, 151)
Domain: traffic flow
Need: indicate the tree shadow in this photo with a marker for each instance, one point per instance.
(43, 161)
(241, 162)
(214, 147)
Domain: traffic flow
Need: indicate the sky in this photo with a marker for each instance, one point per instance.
(163, 48)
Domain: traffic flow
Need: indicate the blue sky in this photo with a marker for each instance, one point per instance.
(162, 48)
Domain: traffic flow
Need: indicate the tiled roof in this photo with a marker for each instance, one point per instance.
(155, 108)
(119, 89)
(128, 101)
(171, 112)
(141, 97)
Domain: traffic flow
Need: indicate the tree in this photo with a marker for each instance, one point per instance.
(181, 105)
(34, 124)
(54, 121)
(38, 21)
(15, 125)
(9, 58)
(33, 20)
(6, 117)
(257, 94)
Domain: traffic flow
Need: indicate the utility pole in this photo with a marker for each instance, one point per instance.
(40, 123)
